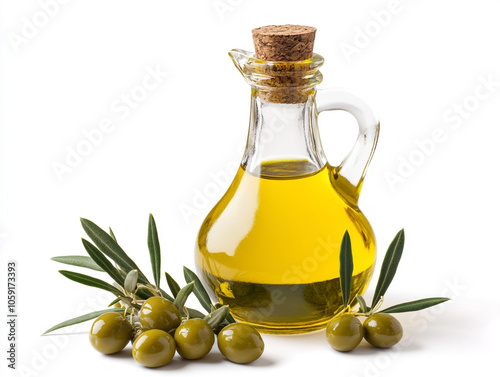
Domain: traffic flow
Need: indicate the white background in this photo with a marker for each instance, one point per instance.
(63, 78)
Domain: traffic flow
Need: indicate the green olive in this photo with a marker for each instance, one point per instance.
(240, 343)
(154, 348)
(194, 339)
(159, 313)
(110, 333)
(382, 330)
(344, 333)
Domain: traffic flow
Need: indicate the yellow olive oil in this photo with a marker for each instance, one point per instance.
(270, 247)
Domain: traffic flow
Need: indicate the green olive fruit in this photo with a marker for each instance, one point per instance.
(110, 333)
(240, 343)
(159, 313)
(194, 339)
(382, 330)
(344, 333)
(154, 348)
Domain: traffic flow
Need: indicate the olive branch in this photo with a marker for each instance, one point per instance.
(129, 284)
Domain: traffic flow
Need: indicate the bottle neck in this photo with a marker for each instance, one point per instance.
(283, 138)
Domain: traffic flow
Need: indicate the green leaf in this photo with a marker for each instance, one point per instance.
(172, 284)
(389, 266)
(79, 261)
(114, 301)
(346, 268)
(82, 318)
(413, 306)
(193, 313)
(108, 246)
(362, 304)
(90, 281)
(103, 262)
(217, 316)
(200, 292)
(112, 235)
(166, 295)
(230, 318)
(131, 281)
(182, 296)
(154, 250)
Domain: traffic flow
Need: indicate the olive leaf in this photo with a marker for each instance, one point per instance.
(79, 261)
(110, 247)
(116, 300)
(90, 281)
(112, 235)
(413, 306)
(389, 266)
(82, 318)
(346, 268)
(217, 316)
(200, 292)
(193, 313)
(229, 318)
(154, 250)
(182, 296)
(103, 262)
(166, 295)
(362, 304)
(131, 281)
(172, 284)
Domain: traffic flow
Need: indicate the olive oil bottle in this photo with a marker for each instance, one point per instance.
(270, 247)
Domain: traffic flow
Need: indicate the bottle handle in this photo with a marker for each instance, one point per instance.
(353, 167)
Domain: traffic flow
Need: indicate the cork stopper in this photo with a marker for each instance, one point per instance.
(284, 42)
(286, 50)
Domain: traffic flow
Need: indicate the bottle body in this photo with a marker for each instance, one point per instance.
(270, 248)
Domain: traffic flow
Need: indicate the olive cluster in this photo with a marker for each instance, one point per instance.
(160, 332)
(346, 331)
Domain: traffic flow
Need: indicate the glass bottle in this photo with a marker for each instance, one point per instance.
(270, 247)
